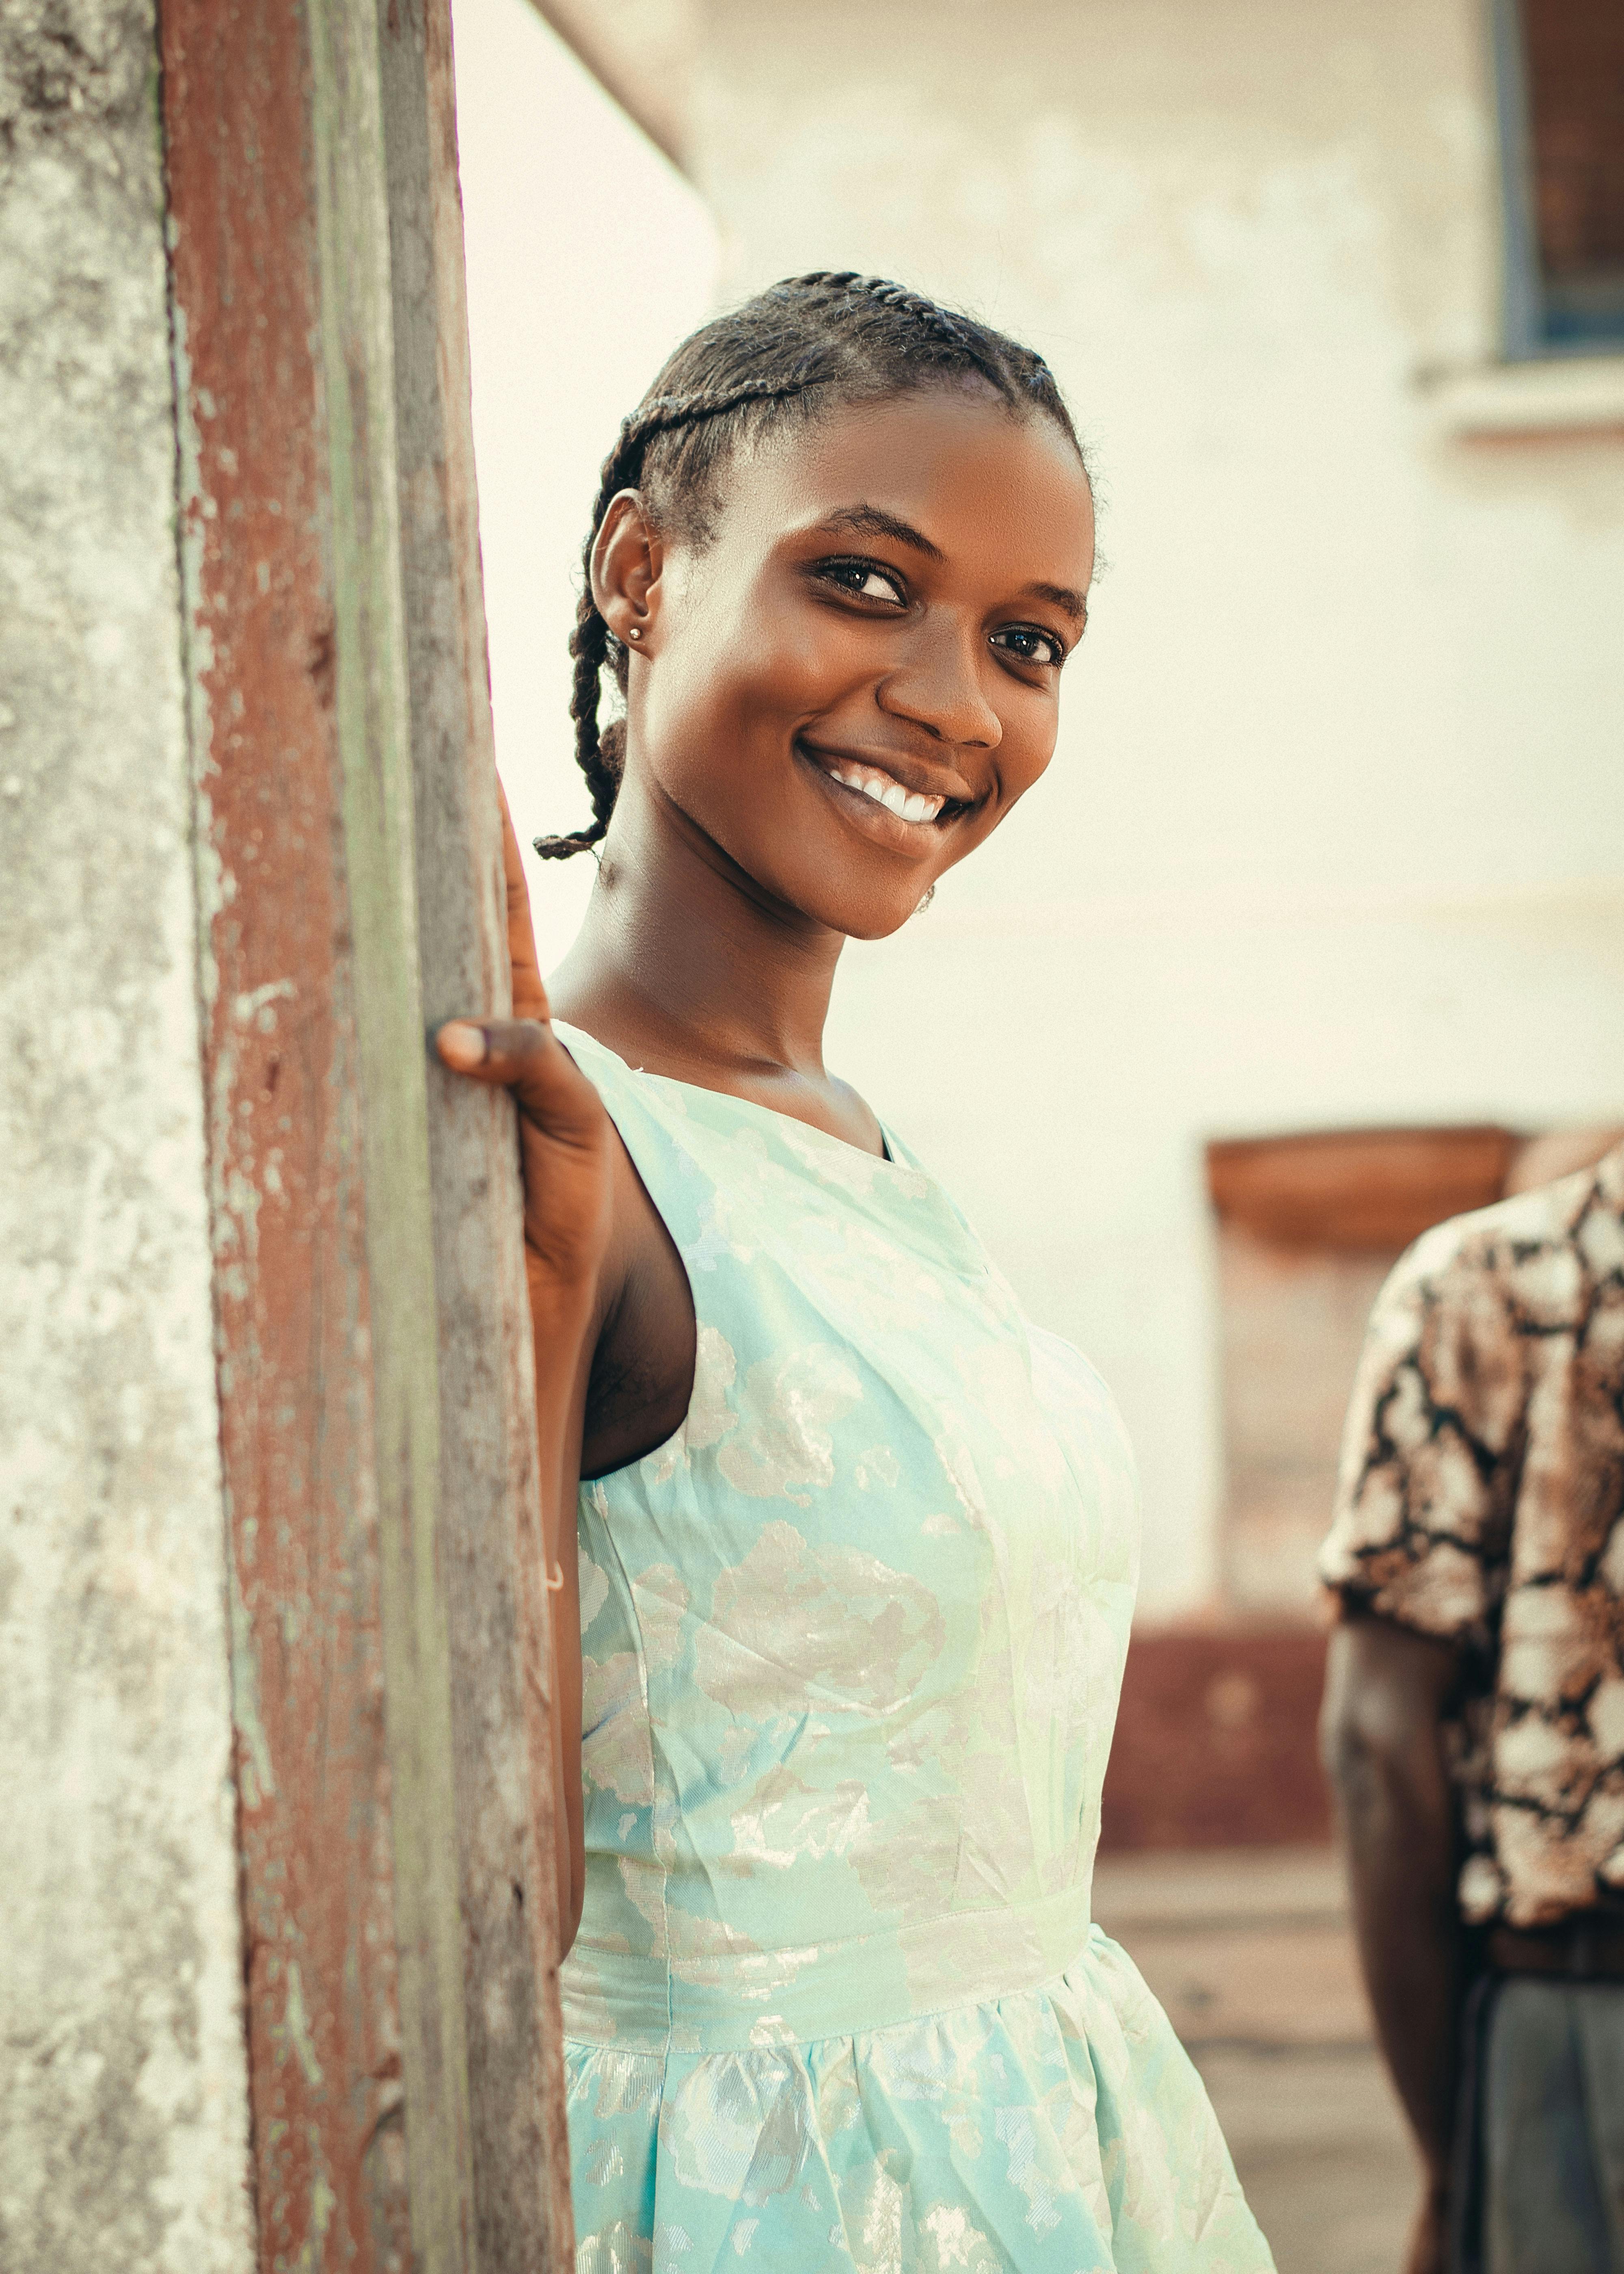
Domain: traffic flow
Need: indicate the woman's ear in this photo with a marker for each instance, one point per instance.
(625, 570)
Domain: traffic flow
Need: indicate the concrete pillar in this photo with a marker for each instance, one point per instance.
(124, 2114)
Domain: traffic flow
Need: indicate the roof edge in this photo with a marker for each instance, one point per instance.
(654, 103)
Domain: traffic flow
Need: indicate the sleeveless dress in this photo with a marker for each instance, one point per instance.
(853, 1641)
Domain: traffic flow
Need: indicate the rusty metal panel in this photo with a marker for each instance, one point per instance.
(327, 1187)
(293, 1304)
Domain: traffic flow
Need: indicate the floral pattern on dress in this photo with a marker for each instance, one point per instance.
(852, 1640)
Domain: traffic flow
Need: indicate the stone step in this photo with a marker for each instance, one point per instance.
(1241, 1945)
(1250, 1952)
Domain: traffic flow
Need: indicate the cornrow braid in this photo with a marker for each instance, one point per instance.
(999, 360)
(914, 306)
(831, 336)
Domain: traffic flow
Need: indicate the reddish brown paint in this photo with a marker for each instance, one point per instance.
(1217, 1743)
(292, 1305)
(1356, 1191)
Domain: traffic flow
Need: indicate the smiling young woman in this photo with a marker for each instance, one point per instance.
(845, 1545)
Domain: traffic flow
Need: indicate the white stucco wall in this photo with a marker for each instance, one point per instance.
(568, 319)
(1335, 833)
(123, 2094)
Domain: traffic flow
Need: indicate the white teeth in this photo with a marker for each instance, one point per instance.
(911, 805)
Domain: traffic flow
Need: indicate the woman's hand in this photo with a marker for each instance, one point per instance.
(566, 1148)
(565, 1139)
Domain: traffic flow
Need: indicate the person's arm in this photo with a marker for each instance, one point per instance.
(567, 1151)
(1386, 1687)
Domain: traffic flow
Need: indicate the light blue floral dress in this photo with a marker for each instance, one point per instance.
(853, 1638)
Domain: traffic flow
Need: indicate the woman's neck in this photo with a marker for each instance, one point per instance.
(685, 965)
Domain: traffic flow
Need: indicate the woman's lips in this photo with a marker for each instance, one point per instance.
(918, 807)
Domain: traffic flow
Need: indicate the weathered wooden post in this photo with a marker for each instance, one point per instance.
(496, 1597)
(361, 1576)
(389, 1658)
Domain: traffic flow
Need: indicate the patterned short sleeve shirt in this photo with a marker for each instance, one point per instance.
(1481, 1500)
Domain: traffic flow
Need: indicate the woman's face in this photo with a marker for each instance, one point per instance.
(849, 685)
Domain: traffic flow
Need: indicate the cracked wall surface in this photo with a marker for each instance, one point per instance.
(122, 2095)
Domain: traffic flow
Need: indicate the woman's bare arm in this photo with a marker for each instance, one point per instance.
(567, 1150)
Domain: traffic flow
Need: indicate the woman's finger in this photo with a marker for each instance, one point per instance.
(529, 996)
(565, 1142)
(525, 1057)
(466, 1048)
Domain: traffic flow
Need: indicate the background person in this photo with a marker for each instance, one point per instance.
(1474, 1720)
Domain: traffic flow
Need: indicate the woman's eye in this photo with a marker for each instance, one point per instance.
(1028, 644)
(864, 581)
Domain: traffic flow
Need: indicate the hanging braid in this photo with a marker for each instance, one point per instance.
(601, 757)
(797, 349)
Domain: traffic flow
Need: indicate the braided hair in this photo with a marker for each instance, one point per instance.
(793, 352)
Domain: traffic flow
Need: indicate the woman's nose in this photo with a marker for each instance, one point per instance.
(938, 685)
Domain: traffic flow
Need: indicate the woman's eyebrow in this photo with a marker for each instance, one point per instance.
(874, 521)
(1069, 603)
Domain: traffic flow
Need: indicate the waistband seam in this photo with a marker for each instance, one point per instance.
(942, 1922)
(664, 2051)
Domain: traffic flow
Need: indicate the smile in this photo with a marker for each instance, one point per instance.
(916, 806)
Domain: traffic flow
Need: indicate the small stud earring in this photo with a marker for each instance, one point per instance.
(635, 633)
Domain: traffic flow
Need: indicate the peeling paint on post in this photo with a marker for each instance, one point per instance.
(293, 1298)
(381, 1617)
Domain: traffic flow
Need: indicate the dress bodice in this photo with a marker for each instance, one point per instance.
(853, 1635)
(852, 1643)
